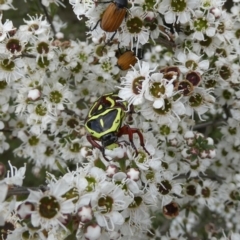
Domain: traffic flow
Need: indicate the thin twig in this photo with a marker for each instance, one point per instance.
(17, 190)
(48, 17)
(202, 176)
(25, 55)
(206, 124)
(7, 130)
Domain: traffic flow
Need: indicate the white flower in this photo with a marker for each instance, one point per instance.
(208, 193)
(177, 10)
(107, 67)
(153, 55)
(50, 206)
(81, 7)
(11, 69)
(212, 4)
(137, 213)
(225, 30)
(72, 150)
(6, 5)
(56, 95)
(191, 61)
(32, 145)
(15, 177)
(199, 101)
(134, 84)
(165, 188)
(36, 25)
(202, 24)
(170, 111)
(99, 85)
(109, 204)
(158, 89)
(133, 29)
(5, 28)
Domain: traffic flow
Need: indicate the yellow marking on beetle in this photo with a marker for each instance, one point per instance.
(101, 122)
(112, 146)
(112, 101)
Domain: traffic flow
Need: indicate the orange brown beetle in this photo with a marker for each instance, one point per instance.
(129, 58)
(113, 16)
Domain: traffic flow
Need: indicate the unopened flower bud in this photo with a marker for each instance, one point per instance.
(203, 154)
(59, 35)
(189, 134)
(173, 142)
(212, 153)
(85, 214)
(216, 12)
(133, 174)
(92, 232)
(210, 141)
(34, 94)
(111, 170)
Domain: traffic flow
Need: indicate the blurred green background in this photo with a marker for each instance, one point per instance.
(75, 28)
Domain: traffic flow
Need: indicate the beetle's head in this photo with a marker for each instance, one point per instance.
(109, 139)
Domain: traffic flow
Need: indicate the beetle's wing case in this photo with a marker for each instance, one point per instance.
(106, 122)
(112, 17)
(126, 60)
(102, 103)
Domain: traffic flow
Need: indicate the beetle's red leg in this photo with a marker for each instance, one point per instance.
(130, 113)
(130, 131)
(126, 130)
(96, 145)
(93, 142)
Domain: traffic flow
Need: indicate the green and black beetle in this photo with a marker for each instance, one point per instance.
(104, 123)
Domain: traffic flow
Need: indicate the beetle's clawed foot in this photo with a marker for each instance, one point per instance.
(103, 154)
(146, 150)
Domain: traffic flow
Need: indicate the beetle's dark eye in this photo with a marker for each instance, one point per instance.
(108, 139)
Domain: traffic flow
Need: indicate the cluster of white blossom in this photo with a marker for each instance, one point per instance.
(186, 97)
